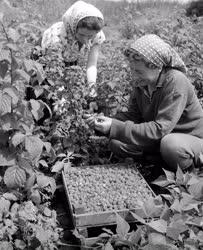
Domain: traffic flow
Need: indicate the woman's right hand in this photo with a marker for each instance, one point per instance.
(90, 120)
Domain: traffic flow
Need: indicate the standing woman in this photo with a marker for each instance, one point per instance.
(80, 28)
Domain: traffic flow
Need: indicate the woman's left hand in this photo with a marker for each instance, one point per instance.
(92, 90)
(103, 124)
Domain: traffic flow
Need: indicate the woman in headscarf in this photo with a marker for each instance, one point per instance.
(164, 114)
(81, 27)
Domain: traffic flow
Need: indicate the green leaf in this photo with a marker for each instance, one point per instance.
(1, 17)
(135, 236)
(200, 236)
(161, 182)
(23, 74)
(193, 180)
(8, 122)
(195, 221)
(5, 56)
(196, 190)
(35, 197)
(40, 72)
(30, 182)
(48, 146)
(66, 166)
(112, 85)
(27, 212)
(138, 218)
(37, 109)
(19, 244)
(4, 65)
(156, 238)
(38, 91)
(10, 196)
(4, 206)
(5, 245)
(179, 176)
(201, 158)
(57, 167)
(158, 225)
(166, 213)
(28, 64)
(188, 202)
(14, 63)
(122, 227)
(43, 163)
(12, 92)
(176, 227)
(17, 139)
(5, 103)
(12, 46)
(6, 158)
(13, 34)
(34, 146)
(14, 177)
(45, 181)
(26, 165)
(176, 206)
(47, 212)
(169, 175)
(160, 247)
(173, 233)
(108, 246)
(4, 138)
(151, 208)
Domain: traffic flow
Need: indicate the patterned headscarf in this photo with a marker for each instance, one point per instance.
(78, 11)
(159, 53)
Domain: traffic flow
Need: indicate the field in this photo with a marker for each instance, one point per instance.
(42, 130)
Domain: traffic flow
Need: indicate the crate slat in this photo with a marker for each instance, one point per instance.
(109, 217)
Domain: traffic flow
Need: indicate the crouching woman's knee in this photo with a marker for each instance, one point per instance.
(170, 151)
(174, 152)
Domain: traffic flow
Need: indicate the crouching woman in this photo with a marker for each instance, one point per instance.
(164, 114)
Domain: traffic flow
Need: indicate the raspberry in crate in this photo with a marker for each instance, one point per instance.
(96, 193)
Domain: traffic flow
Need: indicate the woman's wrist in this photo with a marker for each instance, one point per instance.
(91, 83)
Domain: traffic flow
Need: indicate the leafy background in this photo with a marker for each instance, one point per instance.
(42, 130)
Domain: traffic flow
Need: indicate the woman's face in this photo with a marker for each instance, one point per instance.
(141, 74)
(83, 35)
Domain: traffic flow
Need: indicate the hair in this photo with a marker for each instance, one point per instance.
(91, 23)
(139, 58)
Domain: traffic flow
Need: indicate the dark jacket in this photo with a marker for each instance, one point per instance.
(172, 108)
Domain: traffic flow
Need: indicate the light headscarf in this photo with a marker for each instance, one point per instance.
(156, 51)
(78, 11)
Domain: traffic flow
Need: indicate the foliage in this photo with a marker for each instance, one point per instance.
(43, 134)
(22, 146)
(177, 30)
(24, 226)
(170, 221)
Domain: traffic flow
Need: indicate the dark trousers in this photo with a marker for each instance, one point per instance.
(175, 150)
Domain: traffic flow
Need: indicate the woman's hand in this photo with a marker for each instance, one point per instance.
(103, 124)
(93, 90)
(90, 120)
(99, 122)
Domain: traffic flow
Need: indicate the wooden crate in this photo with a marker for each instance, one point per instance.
(96, 219)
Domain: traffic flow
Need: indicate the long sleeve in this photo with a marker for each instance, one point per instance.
(132, 114)
(171, 106)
